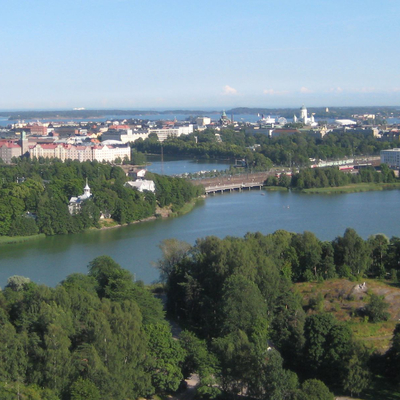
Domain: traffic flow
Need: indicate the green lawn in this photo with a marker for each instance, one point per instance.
(358, 187)
(19, 239)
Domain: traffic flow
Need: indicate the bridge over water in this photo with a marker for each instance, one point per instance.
(234, 182)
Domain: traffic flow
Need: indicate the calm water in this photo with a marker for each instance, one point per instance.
(135, 247)
(171, 166)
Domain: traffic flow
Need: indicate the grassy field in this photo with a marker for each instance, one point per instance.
(275, 188)
(354, 188)
(344, 298)
(186, 208)
(19, 239)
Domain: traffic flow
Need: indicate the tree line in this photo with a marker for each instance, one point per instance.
(34, 196)
(236, 295)
(295, 150)
(308, 178)
(103, 336)
(95, 336)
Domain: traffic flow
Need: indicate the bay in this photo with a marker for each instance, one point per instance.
(135, 247)
(174, 166)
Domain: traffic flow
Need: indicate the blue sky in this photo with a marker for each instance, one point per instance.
(198, 54)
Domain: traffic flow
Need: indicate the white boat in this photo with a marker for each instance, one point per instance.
(268, 120)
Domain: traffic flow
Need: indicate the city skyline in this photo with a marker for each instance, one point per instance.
(162, 55)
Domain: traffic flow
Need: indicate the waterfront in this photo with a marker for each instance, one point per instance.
(135, 247)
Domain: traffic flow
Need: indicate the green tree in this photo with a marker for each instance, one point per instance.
(357, 376)
(327, 347)
(379, 245)
(17, 282)
(351, 250)
(392, 357)
(83, 389)
(166, 357)
(313, 389)
(173, 251)
(376, 309)
(242, 305)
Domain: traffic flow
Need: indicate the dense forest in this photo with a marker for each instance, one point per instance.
(238, 296)
(289, 150)
(34, 196)
(102, 336)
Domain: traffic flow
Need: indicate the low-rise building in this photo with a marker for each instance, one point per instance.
(75, 203)
(63, 151)
(203, 121)
(164, 133)
(9, 149)
(391, 158)
(125, 135)
(141, 185)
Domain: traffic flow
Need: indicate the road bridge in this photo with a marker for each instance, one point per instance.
(233, 187)
(234, 182)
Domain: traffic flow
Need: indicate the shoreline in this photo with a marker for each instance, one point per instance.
(354, 188)
(188, 207)
(160, 214)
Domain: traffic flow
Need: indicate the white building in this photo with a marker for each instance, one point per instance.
(106, 153)
(125, 135)
(391, 158)
(344, 122)
(164, 133)
(202, 121)
(75, 203)
(304, 117)
(141, 185)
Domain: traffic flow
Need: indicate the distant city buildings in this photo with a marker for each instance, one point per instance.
(63, 151)
(110, 140)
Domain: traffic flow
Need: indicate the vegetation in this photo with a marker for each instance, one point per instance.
(248, 330)
(290, 150)
(238, 297)
(34, 196)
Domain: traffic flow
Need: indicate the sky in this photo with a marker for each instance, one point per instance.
(165, 54)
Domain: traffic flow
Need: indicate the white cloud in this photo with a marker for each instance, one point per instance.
(305, 90)
(366, 90)
(273, 92)
(229, 90)
(336, 90)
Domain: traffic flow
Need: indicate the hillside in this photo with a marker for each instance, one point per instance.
(345, 299)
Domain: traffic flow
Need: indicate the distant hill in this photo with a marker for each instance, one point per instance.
(320, 112)
(87, 114)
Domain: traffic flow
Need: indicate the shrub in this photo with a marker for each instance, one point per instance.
(376, 309)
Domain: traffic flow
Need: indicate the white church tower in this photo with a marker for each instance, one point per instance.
(86, 190)
(303, 115)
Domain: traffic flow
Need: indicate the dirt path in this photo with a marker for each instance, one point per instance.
(190, 392)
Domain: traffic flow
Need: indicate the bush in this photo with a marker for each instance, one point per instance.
(375, 310)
